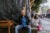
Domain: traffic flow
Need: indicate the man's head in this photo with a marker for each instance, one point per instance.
(23, 12)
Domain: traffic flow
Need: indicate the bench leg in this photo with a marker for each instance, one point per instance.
(12, 28)
(8, 29)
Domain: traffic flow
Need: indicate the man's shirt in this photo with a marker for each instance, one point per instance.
(24, 21)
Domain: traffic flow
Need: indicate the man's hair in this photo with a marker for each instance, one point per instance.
(23, 7)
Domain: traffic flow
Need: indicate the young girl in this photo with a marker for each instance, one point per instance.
(34, 20)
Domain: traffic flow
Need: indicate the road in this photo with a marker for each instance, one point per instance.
(46, 25)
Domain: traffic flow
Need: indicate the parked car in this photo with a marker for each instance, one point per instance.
(48, 15)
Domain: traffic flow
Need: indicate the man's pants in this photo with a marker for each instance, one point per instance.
(20, 26)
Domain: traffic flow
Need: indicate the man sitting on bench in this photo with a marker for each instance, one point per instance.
(23, 21)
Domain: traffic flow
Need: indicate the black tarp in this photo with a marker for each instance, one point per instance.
(10, 9)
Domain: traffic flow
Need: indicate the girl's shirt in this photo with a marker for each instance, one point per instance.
(35, 22)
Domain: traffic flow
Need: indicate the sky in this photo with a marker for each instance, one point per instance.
(47, 3)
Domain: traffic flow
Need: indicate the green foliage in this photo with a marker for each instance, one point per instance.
(36, 4)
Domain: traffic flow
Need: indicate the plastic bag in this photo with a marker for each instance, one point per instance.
(39, 28)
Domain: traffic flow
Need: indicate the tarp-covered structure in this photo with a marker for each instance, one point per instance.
(10, 9)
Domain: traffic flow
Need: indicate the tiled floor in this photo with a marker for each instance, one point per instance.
(3, 30)
(21, 31)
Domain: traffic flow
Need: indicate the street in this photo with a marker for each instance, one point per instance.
(45, 25)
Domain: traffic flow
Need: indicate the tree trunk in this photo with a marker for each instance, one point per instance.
(28, 8)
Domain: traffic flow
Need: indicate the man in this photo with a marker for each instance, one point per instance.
(23, 21)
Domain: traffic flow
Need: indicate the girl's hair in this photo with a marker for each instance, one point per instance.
(35, 17)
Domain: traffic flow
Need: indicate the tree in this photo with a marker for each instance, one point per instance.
(36, 5)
